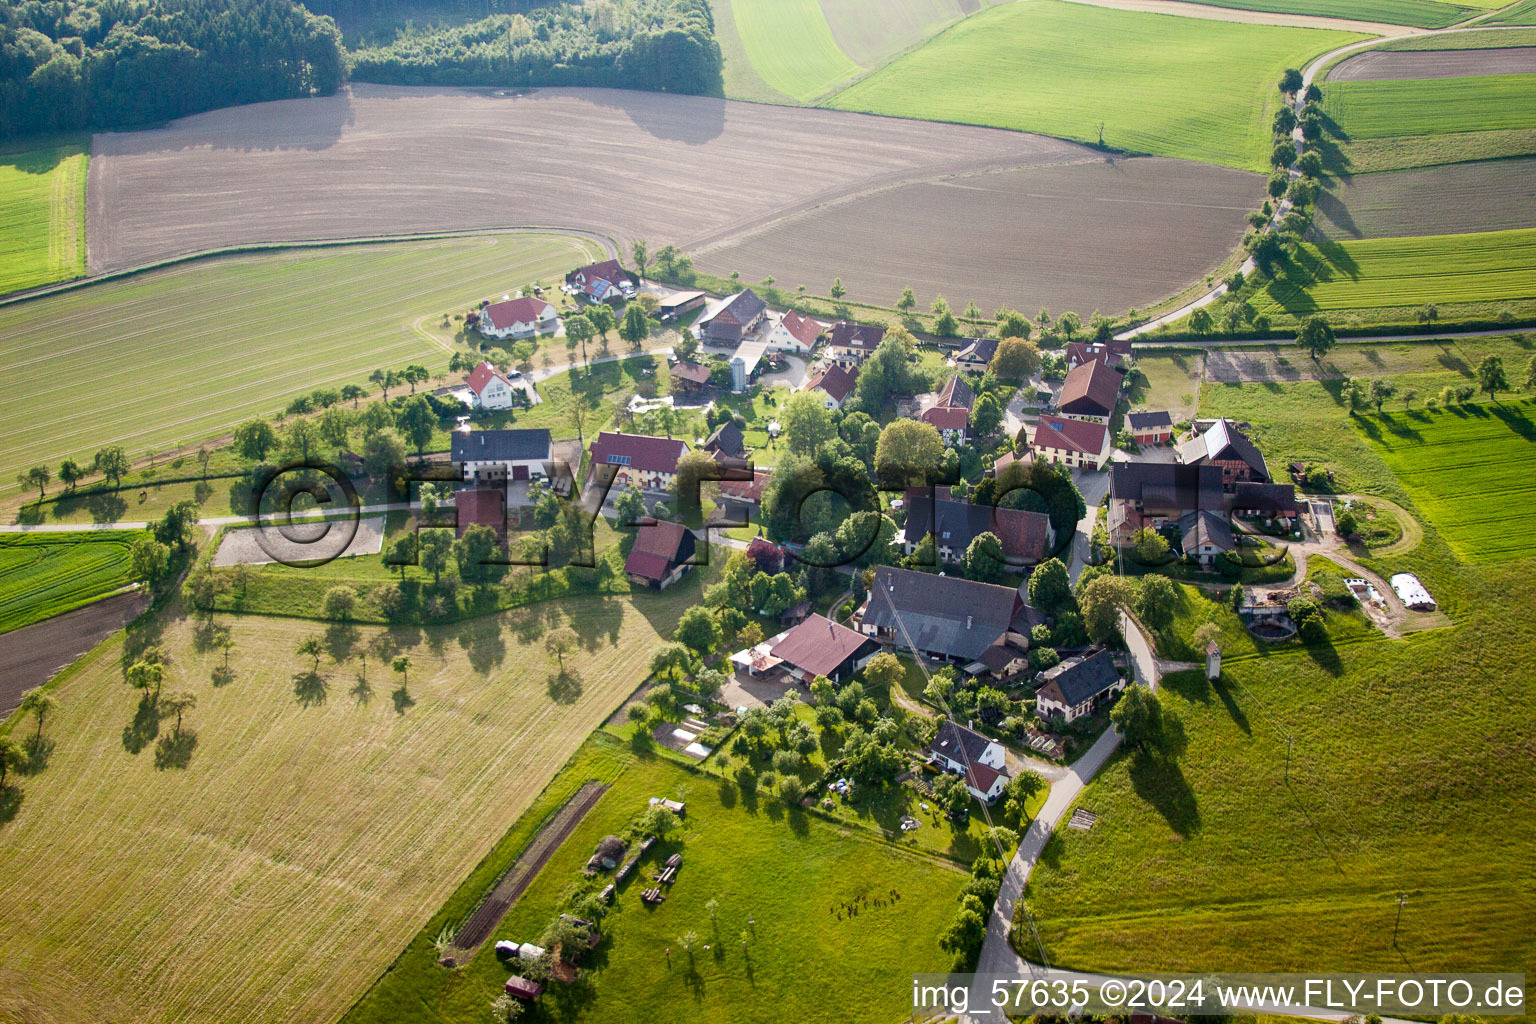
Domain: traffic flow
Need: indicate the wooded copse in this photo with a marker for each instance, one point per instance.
(658, 45)
(73, 64)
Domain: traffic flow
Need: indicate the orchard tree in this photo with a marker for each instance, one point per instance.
(1016, 358)
(1139, 716)
(635, 328)
(907, 300)
(559, 642)
(37, 476)
(39, 702)
(1316, 336)
(255, 440)
(1490, 376)
(71, 473)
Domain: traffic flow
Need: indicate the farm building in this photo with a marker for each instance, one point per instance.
(1090, 393)
(678, 303)
(794, 333)
(1222, 444)
(945, 618)
(1072, 442)
(688, 378)
(489, 388)
(746, 364)
(850, 344)
(745, 492)
(1150, 427)
(662, 555)
(976, 354)
(1158, 494)
(1273, 503)
(481, 506)
(1411, 592)
(1204, 536)
(953, 524)
(1009, 458)
(522, 988)
(836, 383)
(647, 462)
(816, 647)
(727, 439)
(1078, 686)
(980, 760)
(601, 282)
(496, 456)
(732, 319)
(517, 318)
(952, 423)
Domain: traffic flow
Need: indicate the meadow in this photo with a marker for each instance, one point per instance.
(42, 215)
(313, 816)
(790, 46)
(1523, 13)
(1386, 280)
(1470, 470)
(1159, 84)
(785, 870)
(1418, 13)
(872, 34)
(1431, 106)
(46, 574)
(1172, 383)
(187, 352)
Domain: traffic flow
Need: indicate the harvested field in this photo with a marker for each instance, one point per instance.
(1374, 65)
(871, 34)
(377, 159)
(1448, 199)
(1523, 13)
(1106, 234)
(34, 654)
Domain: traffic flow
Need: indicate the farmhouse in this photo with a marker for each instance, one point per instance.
(850, 344)
(794, 333)
(1204, 536)
(1070, 442)
(1009, 458)
(481, 506)
(688, 378)
(944, 617)
(959, 750)
(1078, 686)
(517, 318)
(976, 354)
(727, 440)
(662, 555)
(647, 462)
(1274, 503)
(601, 282)
(496, 456)
(836, 383)
(1090, 392)
(1150, 427)
(733, 319)
(489, 388)
(1112, 353)
(1158, 494)
(1222, 444)
(678, 303)
(950, 421)
(816, 647)
(954, 524)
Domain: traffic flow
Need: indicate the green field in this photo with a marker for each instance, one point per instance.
(872, 33)
(1433, 106)
(1523, 13)
(1180, 87)
(1387, 279)
(785, 870)
(44, 574)
(1419, 13)
(42, 216)
(187, 352)
(1472, 472)
(1479, 40)
(791, 47)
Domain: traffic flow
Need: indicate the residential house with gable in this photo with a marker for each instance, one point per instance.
(649, 463)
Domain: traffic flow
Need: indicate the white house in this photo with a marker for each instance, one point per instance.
(1078, 686)
(517, 318)
(834, 384)
(980, 760)
(489, 389)
(794, 333)
(492, 456)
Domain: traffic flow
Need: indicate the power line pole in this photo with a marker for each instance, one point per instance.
(1402, 898)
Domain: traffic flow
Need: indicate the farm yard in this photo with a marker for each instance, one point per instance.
(189, 351)
(42, 215)
(1485, 195)
(377, 159)
(788, 871)
(1159, 84)
(1472, 471)
(1141, 229)
(45, 574)
(318, 817)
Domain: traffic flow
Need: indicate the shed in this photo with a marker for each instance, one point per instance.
(521, 988)
(1412, 593)
(677, 807)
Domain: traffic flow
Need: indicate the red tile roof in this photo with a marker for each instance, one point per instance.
(1091, 389)
(746, 490)
(947, 417)
(526, 310)
(482, 506)
(981, 776)
(659, 548)
(483, 375)
(802, 328)
(637, 451)
(1071, 435)
(818, 645)
(835, 381)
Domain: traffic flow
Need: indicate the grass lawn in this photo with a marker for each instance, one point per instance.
(787, 870)
(43, 574)
(317, 822)
(42, 215)
(1170, 86)
(1172, 383)
(1386, 280)
(1470, 470)
(791, 47)
(189, 351)
(1432, 106)
(1419, 13)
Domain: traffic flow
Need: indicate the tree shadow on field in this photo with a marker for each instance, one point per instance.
(402, 699)
(481, 641)
(362, 690)
(10, 802)
(565, 686)
(1159, 780)
(1239, 718)
(145, 726)
(309, 688)
(39, 752)
(174, 750)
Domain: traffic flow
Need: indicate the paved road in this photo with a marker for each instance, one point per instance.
(1093, 485)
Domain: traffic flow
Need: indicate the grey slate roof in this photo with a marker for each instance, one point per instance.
(1083, 676)
(727, 438)
(1224, 442)
(1161, 485)
(1201, 528)
(1149, 420)
(958, 743)
(499, 445)
(946, 614)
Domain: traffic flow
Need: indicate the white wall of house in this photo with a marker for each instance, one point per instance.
(497, 394)
(780, 340)
(503, 468)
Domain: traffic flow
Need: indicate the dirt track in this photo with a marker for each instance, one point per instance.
(34, 654)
